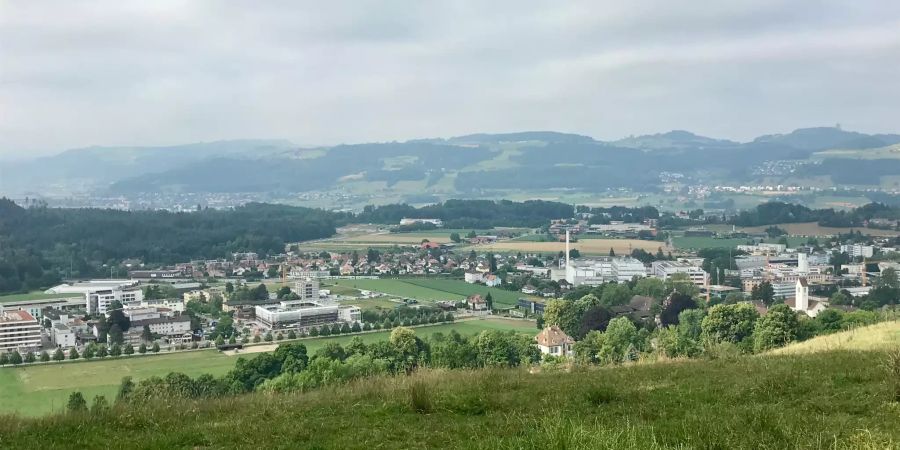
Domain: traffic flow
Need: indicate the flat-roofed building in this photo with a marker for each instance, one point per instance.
(307, 289)
(36, 307)
(300, 313)
(19, 330)
(666, 269)
(62, 336)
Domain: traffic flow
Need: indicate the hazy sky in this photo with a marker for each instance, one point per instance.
(162, 72)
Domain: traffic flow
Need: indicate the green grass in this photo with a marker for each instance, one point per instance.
(433, 289)
(399, 288)
(36, 295)
(44, 388)
(831, 400)
(372, 304)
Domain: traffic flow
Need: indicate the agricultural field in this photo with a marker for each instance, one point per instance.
(585, 246)
(43, 388)
(433, 289)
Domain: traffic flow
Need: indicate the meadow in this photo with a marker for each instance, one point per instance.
(828, 400)
(43, 388)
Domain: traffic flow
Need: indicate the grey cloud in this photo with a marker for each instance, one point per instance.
(109, 73)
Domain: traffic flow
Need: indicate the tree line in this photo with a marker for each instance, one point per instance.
(779, 212)
(291, 369)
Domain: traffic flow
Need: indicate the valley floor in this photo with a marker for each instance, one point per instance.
(833, 399)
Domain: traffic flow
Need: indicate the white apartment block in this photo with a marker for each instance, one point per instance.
(665, 269)
(858, 251)
(18, 330)
(166, 326)
(307, 289)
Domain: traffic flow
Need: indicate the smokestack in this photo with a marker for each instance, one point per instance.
(567, 249)
(802, 264)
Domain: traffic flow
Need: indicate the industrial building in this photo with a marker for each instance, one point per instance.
(99, 294)
(665, 269)
(299, 313)
(599, 270)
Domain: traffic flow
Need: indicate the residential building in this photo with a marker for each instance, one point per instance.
(491, 280)
(173, 304)
(165, 326)
(553, 341)
(307, 289)
(62, 336)
(19, 330)
(476, 303)
(474, 277)
(858, 250)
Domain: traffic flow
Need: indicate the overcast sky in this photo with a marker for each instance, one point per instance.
(156, 72)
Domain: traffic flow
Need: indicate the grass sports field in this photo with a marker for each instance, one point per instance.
(44, 388)
(434, 289)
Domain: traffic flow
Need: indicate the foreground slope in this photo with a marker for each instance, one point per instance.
(837, 399)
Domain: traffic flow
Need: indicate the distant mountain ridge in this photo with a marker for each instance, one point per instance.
(474, 163)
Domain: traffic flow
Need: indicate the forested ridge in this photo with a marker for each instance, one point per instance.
(40, 246)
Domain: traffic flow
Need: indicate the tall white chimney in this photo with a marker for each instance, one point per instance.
(567, 250)
(802, 263)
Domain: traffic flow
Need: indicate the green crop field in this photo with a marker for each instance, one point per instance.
(433, 289)
(43, 388)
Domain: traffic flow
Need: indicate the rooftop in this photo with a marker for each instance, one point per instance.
(16, 316)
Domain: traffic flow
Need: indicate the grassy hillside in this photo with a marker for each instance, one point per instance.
(837, 399)
(880, 336)
(43, 388)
